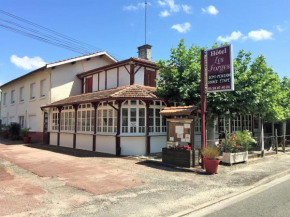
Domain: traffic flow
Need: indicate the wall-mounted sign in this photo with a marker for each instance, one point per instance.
(220, 69)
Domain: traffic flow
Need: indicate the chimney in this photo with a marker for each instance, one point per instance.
(144, 52)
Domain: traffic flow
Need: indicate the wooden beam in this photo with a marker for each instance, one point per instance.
(118, 139)
(76, 118)
(127, 69)
(118, 77)
(148, 148)
(59, 117)
(106, 80)
(95, 105)
(132, 74)
(137, 69)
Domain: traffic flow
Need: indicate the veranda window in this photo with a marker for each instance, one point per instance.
(86, 116)
(67, 119)
(157, 123)
(107, 118)
(55, 118)
(133, 117)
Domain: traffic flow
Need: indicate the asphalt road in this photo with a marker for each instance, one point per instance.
(273, 201)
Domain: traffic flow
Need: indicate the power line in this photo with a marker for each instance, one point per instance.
(71, 43)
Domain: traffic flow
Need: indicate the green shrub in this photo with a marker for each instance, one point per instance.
(24, 132)
(14, 130)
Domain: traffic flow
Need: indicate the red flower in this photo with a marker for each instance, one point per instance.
(236, 145)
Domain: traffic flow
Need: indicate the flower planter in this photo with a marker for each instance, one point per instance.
(180, 157)
(232, 158)
(26, 139)
(5, 135)
(211, 166)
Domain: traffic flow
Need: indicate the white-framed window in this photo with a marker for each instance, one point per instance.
(5, 99)
(11, 119)
(67, 119)
(197, 127)
(32, 91)
(86, 117)
(157, 123)
(42, 88)
(236, 123)
(107, 118)
(4, 121)
(12, 96)
(247, 122)
(21, 94)
(21, 121)
(133, 116)
(55, 118)
(32, 122)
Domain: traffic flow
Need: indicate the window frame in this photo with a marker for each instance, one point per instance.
(55, 120)
(101, 129)
(42, 88)
(5, 99)
(12, 97)
(21, 94)
(31, 91)
(153, 130)
(85, 109)
(21, 120)
(67, 123)
(129, 105)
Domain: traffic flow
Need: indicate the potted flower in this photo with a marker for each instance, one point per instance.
(25, 134)
(5, 131)
(211, 162)
(236, 147)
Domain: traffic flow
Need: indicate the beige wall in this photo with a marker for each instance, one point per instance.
(27, 107)
(64, 81)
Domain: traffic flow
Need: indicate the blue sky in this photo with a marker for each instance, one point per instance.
(259, 26)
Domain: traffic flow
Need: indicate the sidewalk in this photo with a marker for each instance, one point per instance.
(119, 186)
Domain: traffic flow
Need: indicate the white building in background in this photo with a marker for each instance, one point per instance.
(23, 96)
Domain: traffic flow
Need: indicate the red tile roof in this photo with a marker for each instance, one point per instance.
(125, 92)
(179, 111)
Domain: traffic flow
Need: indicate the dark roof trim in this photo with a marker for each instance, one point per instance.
(118, 64)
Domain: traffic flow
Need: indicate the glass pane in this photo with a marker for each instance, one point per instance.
(157, 102)
(133, 113)
(141, 121)
(133, 102)
(142, 112)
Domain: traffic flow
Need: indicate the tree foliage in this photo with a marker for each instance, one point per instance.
(258, 88)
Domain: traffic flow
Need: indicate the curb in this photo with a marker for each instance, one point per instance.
(223, 198)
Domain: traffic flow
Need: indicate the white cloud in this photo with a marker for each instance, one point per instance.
(260, 35)
(170, 4)
(187, 9)
(27, 63)
(210, 10)
(233, 37)
(280, 28)
(136, 7)
(164, 13)
(182, 28)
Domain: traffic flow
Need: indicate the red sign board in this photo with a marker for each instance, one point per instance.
(220, 76)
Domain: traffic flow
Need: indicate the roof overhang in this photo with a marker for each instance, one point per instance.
(180, 111)
(82, 58)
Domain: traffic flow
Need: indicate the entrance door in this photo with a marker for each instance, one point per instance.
(45, 129)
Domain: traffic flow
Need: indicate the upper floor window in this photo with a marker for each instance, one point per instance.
(89, 84)
(149, 78)
(157, 123)
(133, 116)
(86, 117)
(107, 118)
(12, 96)
(32, 91)
(42, 88)
(5, 99)
(21, 94)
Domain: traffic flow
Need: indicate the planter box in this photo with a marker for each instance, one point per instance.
(180, 157)
(232, 158)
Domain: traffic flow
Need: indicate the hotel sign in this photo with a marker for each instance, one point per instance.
(220, 69)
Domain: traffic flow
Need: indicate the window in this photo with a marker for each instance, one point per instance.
(21, 121)
(67, 119)
(12, 96)
(32, 91)
(12, 119)
(133, 117)
(197, 127)
(149, 78)
(86, 116)
(32, 122)
(247, 122)
(157, 123)
(21, 94)
(236, 123)
(42, 88)
(107, 118)
(5, 99)
(4, 121)
(55, 118)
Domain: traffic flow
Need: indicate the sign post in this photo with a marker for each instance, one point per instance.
(220, 78)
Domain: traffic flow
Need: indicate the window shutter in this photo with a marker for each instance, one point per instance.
(89, 85)
(42, 88)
